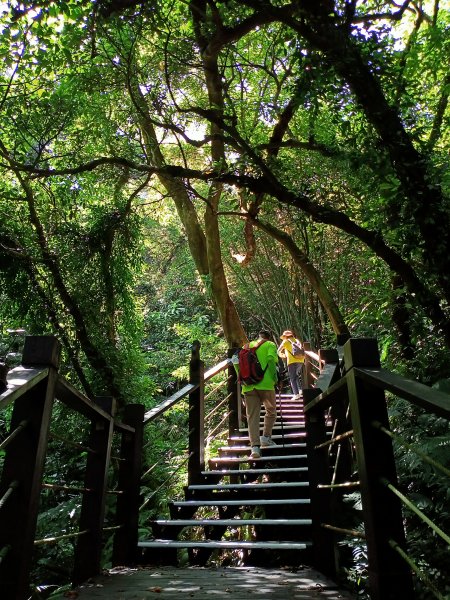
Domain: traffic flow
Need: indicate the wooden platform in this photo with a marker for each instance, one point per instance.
(237, 583)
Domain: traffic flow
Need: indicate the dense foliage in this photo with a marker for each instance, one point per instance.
(173, 171)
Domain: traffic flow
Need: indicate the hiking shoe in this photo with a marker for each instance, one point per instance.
(256, 452)
(267, 441)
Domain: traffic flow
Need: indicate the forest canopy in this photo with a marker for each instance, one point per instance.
(167, 166)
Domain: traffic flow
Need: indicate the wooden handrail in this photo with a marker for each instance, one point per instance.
(312, 355)
(355, 402)
(329, 395)
(78, 402)
(363, 383)
(33, 389)
(157, 411)
(213, 371)
(20, 380)
(421, 395)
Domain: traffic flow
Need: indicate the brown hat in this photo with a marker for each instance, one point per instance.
(286, 334)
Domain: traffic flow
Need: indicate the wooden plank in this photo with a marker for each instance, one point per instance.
(235, 545)
(261, 501)
(196, 419)
(229, 522)
(248, 486)
(157, 411)
(70, 396)
(122, 427)
(24, 464)
(239, 449)
(20, 380)
(129, 481)
(40, 350)
(327, 376)
(286, 426)
(216, 369)
(323, 546)
(267, 471)
(87, 559)
(246, 459)
(238, 583)
(234, 396)
(326, 398)
(389, 574)
(275, 436)
(421, 395)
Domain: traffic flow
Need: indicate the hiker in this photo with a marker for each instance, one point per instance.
(262, 392)
(291, 349)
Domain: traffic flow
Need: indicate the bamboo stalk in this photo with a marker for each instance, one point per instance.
(58, 538)
(351, 532)
(13, 434)
(423, 456)
(416, 510)
(338, 438)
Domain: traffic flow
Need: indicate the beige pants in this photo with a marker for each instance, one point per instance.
(253, 402)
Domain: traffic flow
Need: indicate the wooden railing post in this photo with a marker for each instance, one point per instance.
(23, 469)
(307, 378)
(125, 549)
(324, 550)
(196, 461)
(234, 395)
(3, 375)
(389, 576)
(87, 561)
(343, 458)
(318, 473)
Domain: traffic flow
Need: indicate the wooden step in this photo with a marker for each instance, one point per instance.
(286, 427)
(288, 400)
(240, 502)
(277, 428)
(245, 446)
(295, 421)
(269, 450)
(287, 417)
(268, 471)
(216, 544)
(245, 459)
(276, 437)
(247, 486)
(229, 522)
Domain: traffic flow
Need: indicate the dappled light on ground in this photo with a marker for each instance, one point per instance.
(238, 583)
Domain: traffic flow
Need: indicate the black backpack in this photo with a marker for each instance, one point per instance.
(250, 370)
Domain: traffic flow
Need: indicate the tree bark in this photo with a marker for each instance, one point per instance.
(175, 188)
(209, 49)
(301, 259)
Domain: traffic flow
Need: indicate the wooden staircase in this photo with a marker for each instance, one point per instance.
(260, 507)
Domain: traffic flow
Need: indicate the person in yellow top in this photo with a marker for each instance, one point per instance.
(293, 359)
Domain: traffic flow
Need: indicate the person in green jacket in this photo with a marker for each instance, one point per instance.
(260, 393)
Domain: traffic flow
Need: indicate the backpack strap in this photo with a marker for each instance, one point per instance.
(259, 345)
(298, 342)
(256, 348)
